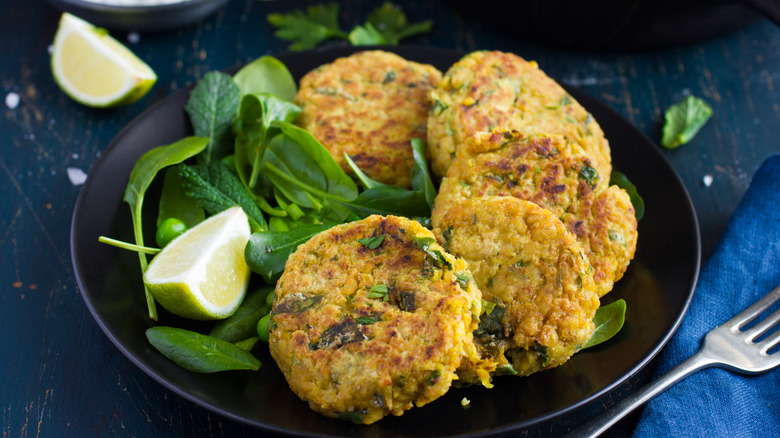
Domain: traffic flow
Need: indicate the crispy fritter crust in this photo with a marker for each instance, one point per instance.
(526, 261)
(354, 354)
(491, 90)
(556, 175)
(370, 106)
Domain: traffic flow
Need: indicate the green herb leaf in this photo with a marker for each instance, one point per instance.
(684, 120)
(390, 22)
(487, 307)
(463, 278)
(266, 75)
(609, 320)
(267, 252)
(212, 107)
(621, 180)
(364, 179)
(372, 242)
(366, 320)
(256, 115)
(216, 189)
(424, 243)
(175, 203)
(589, 174)
(367, 35)
(307, 30)
(378, 291)
(421, 177)
(142, 175)
(200, 353)
(243, 323)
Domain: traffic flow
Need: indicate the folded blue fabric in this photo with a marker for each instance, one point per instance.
(744, 266)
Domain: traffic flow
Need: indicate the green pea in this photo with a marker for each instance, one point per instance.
(269, 299)
(168, 230)
(262, 327)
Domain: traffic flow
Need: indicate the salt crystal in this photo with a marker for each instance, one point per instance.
(707, 180)
(12, 100)
(133, 37)
(76, 176)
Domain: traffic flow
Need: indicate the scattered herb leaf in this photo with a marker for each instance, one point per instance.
(684, 120)
(372, 242)
(589, 174)
(378, 291)
(308, 30)
(366, 320)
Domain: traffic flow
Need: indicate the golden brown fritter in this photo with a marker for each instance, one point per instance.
(360, 333)
(526, 262)
(370, 106)
(491, 90)
(556, 175)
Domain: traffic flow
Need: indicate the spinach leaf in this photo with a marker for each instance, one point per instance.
(267, 251)
(421, 178)
(684, 120)
(175, 203)
(306, 31)
(364, 179)
(141, 177)
(389, 200)
(256, 114)
(304, 171)
(216, 189)
(247, 344)
(243, 323)
(609, 320)
(212, 107)
(200, 353)
(621, 180)
(266, 75)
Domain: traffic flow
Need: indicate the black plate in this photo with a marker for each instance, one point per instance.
(657, 287)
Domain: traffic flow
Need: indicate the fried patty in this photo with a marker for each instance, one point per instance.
(360, 333)
(557, 175)
(370, 106)
(532, 269)
(490, 90)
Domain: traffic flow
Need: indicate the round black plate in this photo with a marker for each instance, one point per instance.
(657, 287)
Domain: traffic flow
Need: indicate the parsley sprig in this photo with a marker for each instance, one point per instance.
(386, 25)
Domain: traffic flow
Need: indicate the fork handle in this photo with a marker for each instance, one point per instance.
(600, 424)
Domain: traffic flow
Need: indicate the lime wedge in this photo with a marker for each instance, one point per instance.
(202, 274)
(95, 69)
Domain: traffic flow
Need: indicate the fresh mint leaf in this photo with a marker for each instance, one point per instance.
(267, 251)
(390, 22)
(266, 75)
(609, 320)
(216, 189)
(621, 180)
(684, 120)
(308, 30)
(372, 242)
(212, 107)
(200, 353)
(141, 177)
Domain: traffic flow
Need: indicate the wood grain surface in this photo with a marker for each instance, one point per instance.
(63, 378)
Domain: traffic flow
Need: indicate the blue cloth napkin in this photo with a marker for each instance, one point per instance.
(744, 266)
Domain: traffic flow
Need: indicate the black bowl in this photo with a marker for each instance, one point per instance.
(657, 288)
(140, 18)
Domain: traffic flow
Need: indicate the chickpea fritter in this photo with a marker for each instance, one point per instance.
(532, 269)
(370, 106)
(556, 175)
(491, 90)
(360, 333)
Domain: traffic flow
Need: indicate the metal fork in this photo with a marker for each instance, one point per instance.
(726, 346)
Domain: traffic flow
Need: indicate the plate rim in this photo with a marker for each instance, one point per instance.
(659, 343)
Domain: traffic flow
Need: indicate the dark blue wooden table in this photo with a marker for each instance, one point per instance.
(62, 377)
